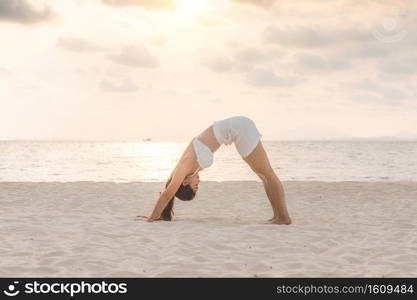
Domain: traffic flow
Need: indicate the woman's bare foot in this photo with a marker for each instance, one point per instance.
(280, 221)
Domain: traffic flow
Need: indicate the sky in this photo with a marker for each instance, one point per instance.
(166, 69)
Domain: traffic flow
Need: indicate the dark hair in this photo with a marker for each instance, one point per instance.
(184, 192)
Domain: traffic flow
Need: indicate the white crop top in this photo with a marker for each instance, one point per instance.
(203, 153)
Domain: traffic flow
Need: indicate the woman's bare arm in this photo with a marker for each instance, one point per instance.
(165, 196)
(159, 207)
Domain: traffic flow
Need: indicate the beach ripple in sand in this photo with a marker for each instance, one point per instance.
(87, 229)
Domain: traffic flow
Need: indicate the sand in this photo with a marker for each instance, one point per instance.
(87, 229)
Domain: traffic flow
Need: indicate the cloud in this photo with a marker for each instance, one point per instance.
(78, 45)
(246, 60)
(203, 91)
(370, 91)
(314, 132)
(239, 59)
(148, 4)
(171, 4)
(371, 49)
(303, 36)
(127, 86)
(218, 63)
(21, 11)
(233, 44)
(260, 3)
(295, 37)
(158, 40)
(267, 78)
(367, 98)
(399, 66)
(314, 63)
(216, 100)
(135, 56)
(255, 56)
(5, 72)
(212, 21)
(366, 84)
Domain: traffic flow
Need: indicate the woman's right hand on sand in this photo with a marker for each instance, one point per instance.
(148, 219)
(144, 218)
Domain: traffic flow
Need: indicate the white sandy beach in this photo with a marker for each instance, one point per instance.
(87, 229)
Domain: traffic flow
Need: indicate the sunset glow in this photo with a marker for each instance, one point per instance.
(164, 69)
(193, 8)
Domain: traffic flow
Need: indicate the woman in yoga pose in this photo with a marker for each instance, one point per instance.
(183, 180)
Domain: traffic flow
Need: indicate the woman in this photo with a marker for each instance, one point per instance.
(183, 180)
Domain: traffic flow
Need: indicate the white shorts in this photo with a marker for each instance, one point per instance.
(240, 130)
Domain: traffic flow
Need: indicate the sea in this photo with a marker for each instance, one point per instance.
(150, 161)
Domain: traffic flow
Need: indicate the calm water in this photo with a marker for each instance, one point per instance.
(153, 161)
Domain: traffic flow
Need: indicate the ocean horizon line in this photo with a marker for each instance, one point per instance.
(352, 139)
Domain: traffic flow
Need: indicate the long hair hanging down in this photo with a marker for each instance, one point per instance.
(184, 192)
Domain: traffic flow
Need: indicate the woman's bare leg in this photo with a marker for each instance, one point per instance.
(259, 163)
(268, 193)
(281, 213)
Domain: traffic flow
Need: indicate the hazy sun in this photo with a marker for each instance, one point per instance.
(192, 7)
